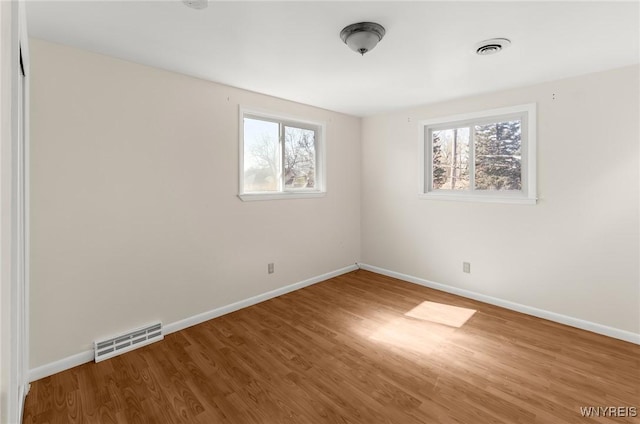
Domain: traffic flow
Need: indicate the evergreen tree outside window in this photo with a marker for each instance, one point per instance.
(486, 156)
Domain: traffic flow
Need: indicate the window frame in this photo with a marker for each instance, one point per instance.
(284, 121)
(527, 195)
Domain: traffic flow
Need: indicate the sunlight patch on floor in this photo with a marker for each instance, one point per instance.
(440, 313)
(423, 328)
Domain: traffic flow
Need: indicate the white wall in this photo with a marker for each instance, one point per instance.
(575, 253)
(135, 215)
(7, 361)
(13, 384)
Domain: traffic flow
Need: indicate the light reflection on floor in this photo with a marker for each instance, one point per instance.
(423, 328)
(440, 313)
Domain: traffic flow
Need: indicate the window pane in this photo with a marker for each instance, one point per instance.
(498, 156)
(261, 155)
(450, 159)
(299, 158)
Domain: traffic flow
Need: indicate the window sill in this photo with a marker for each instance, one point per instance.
(249, 197)
(479, 198)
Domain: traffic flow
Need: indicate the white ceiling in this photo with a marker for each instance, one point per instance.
(293, 50)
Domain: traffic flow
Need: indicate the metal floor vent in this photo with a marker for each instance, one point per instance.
(109, 348)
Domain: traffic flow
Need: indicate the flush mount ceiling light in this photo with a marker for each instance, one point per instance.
(196, 4)
(363, 36)
(492, 46)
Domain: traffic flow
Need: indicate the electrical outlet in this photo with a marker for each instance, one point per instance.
(466, 267)
(270, 268)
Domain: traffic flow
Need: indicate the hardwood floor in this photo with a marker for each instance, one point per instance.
(359, 348)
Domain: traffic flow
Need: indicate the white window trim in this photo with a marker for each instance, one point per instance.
(528, 193)
(321, 187)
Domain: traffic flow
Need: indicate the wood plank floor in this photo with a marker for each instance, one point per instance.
(359, 348)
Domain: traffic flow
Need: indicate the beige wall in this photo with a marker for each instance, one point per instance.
(135, 214)
(575, 253)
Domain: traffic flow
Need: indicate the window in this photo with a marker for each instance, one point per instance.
(280, 157)
(488, 156)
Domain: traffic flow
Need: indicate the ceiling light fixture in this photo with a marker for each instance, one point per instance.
(363, 36)
(196, 4)
(492, 46)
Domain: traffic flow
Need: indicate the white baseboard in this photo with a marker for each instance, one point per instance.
(23, 391)
(63, 364)
(223, 310)
(616, 333)
(88, 356)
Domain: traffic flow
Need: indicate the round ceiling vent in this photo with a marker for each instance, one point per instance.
(492, 46)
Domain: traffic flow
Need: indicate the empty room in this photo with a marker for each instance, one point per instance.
(320, 212)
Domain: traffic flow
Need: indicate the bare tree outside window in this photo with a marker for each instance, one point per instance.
(299, 158)
(451, 159)
(279, 156)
